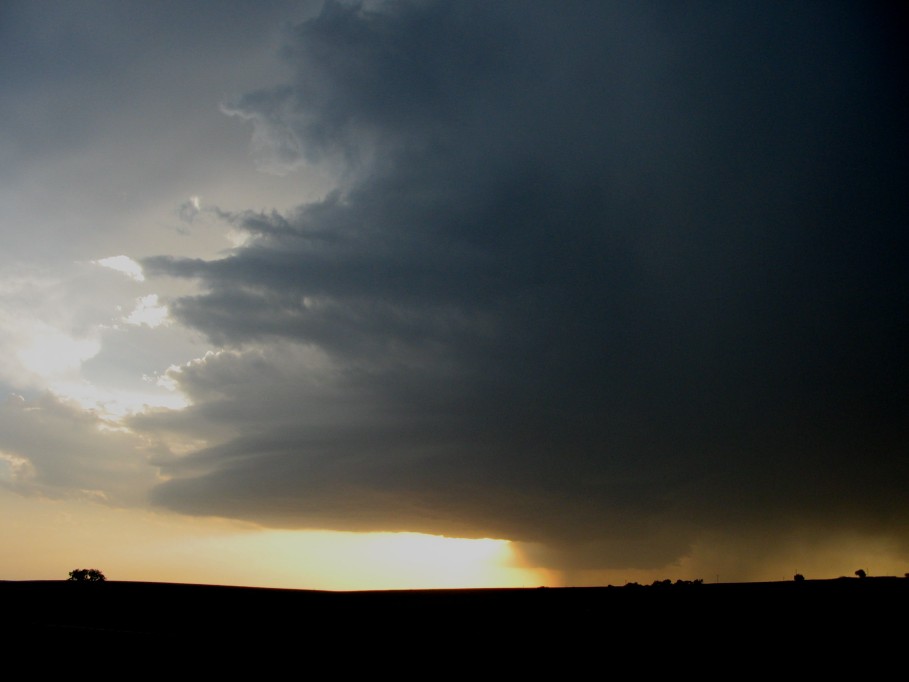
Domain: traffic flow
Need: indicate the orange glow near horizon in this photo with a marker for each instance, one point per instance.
(45, 539)
(378, 561)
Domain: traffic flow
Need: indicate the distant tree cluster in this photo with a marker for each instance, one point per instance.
(86, 575)
(668, 583)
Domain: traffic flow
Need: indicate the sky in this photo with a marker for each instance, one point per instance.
(400, 294)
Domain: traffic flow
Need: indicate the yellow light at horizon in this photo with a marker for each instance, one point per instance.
(44, 539)
(329, 560)
(435, 561)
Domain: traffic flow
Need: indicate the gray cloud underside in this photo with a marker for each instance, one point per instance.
(597, 277)
(106, 465)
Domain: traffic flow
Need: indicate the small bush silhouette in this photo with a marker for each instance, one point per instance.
(861, 573)
(798, 577)
(86, 575)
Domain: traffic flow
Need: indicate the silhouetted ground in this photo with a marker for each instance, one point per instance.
(653, 625)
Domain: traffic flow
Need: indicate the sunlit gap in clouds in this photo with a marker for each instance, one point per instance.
(48, 351)
(123, 264)
(55, 359)
(86, 338)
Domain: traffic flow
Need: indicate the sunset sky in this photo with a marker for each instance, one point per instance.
(443, 294)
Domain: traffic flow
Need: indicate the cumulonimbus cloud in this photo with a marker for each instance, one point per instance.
(595, 277)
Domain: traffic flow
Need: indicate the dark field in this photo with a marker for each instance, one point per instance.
(537, 620)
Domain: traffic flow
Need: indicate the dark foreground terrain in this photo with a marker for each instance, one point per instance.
(818, 620)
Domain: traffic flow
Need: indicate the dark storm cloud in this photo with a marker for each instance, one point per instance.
(601, 278)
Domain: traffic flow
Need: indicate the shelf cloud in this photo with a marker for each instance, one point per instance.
(603, 279)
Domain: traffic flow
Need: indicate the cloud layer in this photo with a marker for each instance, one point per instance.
(601, 279)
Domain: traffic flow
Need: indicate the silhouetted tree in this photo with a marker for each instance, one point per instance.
(861, 573)
(798, 577)
(86, 575)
